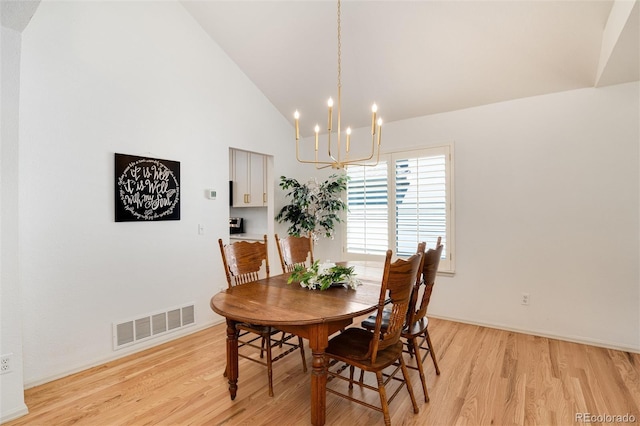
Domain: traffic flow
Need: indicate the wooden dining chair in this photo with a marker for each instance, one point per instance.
(415, 332)
(243, 262)
(374, 351)
(294, 251)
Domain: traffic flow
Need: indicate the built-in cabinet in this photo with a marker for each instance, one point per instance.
(248, 172)
(251, 177)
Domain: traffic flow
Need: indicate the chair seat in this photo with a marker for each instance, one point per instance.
(257, 328)
(370, 322)
(353, 344)
(418, 328)
(415, 329)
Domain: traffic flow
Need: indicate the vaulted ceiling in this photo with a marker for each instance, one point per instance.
(417, 58)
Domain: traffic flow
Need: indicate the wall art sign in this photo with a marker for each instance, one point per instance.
(146, 189)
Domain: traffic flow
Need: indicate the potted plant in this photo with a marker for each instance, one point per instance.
(314, 208)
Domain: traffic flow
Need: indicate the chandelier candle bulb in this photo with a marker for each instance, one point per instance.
(348, 137)
(374, 110)
(317, 130)
(330, 103)
(379, 130)
(296, 115)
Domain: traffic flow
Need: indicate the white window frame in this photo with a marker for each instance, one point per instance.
(447, 265)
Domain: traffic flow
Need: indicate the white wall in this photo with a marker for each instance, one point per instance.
(12, 402)
(138, 78)
(547, 200)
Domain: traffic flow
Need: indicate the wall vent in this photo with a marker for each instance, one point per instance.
(145, 327)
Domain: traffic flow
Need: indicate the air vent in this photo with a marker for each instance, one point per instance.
(145, 327)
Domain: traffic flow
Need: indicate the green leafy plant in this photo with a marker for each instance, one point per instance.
(314, 208)
(322, 276)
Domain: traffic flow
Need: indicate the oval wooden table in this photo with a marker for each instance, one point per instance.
(311, 314)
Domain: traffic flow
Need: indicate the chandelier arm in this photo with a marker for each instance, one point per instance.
(360, 159)
(326, 163)
(356, 160)
(310, 161)
(351, 163)
(326, 166)
(335, 160)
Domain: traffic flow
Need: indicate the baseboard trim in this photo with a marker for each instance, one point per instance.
(573, 339)
(21, 410)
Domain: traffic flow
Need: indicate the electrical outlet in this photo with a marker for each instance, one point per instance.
(5, 363)
(525, 299)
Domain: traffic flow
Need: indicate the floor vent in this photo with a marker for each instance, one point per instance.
(130, 332)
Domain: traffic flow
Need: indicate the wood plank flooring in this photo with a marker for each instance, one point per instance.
(488, 377)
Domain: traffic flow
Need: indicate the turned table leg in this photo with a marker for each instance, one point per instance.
(232, 357)
(318, 341)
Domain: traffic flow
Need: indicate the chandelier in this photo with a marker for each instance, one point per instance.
(335, 158)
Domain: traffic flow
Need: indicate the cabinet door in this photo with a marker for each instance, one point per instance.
(240, 174)
(248, 179)
(257, 169)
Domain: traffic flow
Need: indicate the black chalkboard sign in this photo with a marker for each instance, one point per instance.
(146, 189)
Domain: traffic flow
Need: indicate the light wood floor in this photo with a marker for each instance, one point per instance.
(488, 377)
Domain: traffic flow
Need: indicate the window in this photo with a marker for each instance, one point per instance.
(405, 199)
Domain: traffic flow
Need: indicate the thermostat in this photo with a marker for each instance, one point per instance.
(211, 194)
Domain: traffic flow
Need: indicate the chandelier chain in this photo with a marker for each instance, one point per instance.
(339, 49)
(334, 157)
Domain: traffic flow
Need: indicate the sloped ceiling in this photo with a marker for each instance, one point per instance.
(416, 58)
(16, 14)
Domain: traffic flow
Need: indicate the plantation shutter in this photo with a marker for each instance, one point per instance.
(420, 202)
(368, 209)
(406, 199)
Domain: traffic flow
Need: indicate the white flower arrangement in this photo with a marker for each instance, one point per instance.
(325, 275)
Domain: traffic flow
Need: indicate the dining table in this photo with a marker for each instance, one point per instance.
(311, 314)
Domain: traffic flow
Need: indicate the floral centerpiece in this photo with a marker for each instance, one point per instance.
(322, 276)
